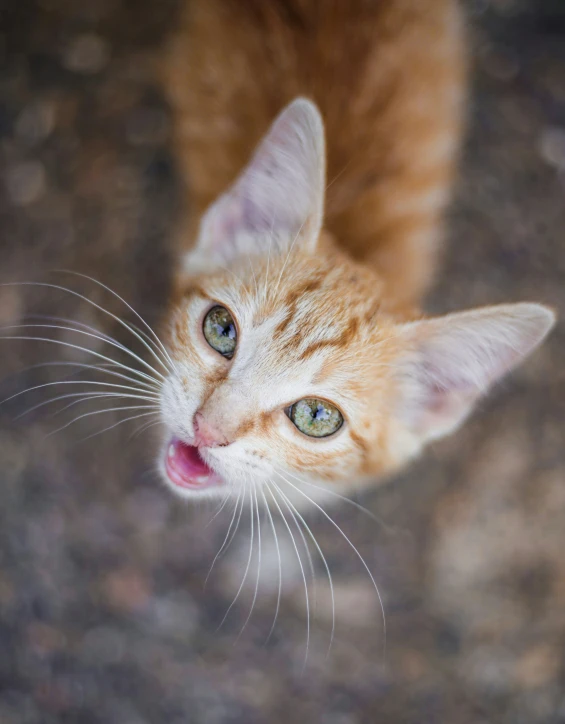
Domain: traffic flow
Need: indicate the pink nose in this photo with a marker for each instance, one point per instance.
(206, 435)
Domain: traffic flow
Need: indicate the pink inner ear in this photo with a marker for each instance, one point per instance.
(280, 192)
(224, 221)
(458, 357)
(442, 401)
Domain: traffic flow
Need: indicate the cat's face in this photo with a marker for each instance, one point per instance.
(283, 371)
(289, 370)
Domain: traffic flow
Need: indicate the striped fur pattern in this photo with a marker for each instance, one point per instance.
(322, 238)
(389, 79)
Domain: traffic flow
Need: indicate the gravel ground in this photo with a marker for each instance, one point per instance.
(104, 618)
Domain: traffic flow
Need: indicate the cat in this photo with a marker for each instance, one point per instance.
(317, 142)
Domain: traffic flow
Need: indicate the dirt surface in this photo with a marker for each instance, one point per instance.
(104, 618)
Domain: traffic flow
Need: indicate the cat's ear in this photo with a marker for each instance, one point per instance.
(453, 360)
(279, 197)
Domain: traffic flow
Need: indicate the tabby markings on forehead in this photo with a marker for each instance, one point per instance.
(293, 299)
(193, 289)
(305, 330)
(341, 340)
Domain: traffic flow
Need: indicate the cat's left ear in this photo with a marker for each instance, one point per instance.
(277, 200)
(448, 363)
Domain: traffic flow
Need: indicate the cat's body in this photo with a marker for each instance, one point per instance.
(389, 80)
(301, 359)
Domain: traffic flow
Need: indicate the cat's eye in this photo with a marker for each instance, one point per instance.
(315, 418)
(220, 331)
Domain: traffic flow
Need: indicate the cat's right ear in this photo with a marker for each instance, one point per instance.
(278, 199)
(449, 362)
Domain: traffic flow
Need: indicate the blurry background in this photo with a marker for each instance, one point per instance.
(103, 615)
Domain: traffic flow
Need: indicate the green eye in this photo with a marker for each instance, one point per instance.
(220, 332)
(316, 418)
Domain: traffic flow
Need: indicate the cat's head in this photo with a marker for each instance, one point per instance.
(290, 368)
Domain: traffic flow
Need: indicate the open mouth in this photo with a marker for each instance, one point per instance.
(186, 469)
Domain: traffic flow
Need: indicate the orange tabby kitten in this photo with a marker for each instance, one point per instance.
(301, 359)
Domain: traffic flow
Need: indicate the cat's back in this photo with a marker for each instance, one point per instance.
(386, 75)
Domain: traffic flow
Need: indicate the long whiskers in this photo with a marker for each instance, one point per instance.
(359, 556)
(265, 285)
(99, 307)
(129, 325)
(219, 509)
(106, 368)
(288, 255)
(63, 343)
(276, 539)
(135, 388)
(120, 422)
(143, 427)
(254, 493)
(232, 604)
(100, 412)
(237, 278)
(345, 499)
(234, 531)
(90, 328)
(84, 397)
(290, 506)
(299, 529)
(103, 337)
(306, 597)
(225, 541)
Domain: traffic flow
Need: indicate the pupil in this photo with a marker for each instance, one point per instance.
(227, 330)
(321, 413)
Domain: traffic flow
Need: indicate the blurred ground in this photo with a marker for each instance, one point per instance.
(103, 616)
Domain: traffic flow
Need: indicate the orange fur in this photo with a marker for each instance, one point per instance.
(388, 78)
(369, 389)
(325, 300)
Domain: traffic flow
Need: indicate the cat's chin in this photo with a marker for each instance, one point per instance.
(187, 473)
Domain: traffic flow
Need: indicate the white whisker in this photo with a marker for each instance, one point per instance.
(322, 556)
(120, 422)
(238, 278)
(84, 396)
(234, 531)
(275, 537)
(147, 326)
(368, 570)
(90, 328)
(304, 541)
(104, 338)
(367, 512)
(232, 604)
(219, 510)
(97, 306)
(290, 248)
(265, 289)
(144, 427)
(61, 342)
(67, 320)
(254, 277)
(224, 544)
(307, 599)
(100, 412)
(254, 492)
(102, 367)
(78, 382)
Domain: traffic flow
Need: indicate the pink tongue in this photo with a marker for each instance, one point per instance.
(186, 468)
